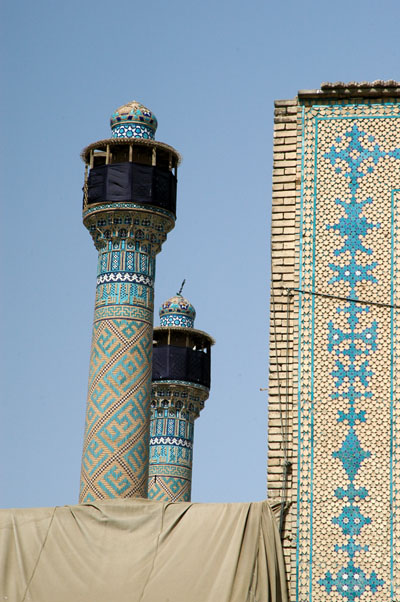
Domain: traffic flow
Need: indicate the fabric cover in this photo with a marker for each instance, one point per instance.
(141, 551)
(171, 362)
(132, 182)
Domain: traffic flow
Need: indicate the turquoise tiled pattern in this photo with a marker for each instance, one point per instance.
(348, 532)
(175, 406)
(115, 454)
(177, 311)
(133, 120)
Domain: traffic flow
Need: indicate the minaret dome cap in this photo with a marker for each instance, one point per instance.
(133, 120)
(177, 311)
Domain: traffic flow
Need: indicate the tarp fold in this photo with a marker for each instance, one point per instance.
(141, 551)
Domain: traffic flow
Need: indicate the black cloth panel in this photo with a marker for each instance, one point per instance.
(118, 182)
(181, 363)
(132, 182)
(142, 177)
(96, 185)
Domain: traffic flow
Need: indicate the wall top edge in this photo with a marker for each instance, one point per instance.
(353, 90)
(332, 90)
(286, 103)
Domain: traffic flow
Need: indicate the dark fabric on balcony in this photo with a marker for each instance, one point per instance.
(132, 182)
(181, 363)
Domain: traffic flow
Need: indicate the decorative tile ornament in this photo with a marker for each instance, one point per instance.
(127, 236)
(175, 406)
(177, 311)
(133, 120)
(116, 441)
(133, 131)
(348, 530)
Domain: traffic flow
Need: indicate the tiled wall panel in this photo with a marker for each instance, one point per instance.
(342, 529)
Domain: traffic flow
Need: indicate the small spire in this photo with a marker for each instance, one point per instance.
(182, 285)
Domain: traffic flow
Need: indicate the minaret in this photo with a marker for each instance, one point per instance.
(181, 384)
(129, 208)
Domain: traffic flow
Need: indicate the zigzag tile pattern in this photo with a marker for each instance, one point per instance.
(114, 462)
(115, 453)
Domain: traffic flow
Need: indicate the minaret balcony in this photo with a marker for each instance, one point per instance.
(182, 364)
(132, 183)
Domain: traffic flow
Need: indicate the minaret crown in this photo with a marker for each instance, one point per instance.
(177, 311)
(133, 120)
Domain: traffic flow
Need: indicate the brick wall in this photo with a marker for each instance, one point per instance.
(282, 413)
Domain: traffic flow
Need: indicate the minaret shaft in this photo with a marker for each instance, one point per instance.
(175, 406)
(115, 456)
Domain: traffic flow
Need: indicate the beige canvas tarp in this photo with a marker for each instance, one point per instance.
(141, 551)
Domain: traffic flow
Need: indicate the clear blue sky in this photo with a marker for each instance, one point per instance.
(210, 71)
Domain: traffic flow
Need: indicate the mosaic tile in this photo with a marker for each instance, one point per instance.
(177, 311)
(133, 120)
(175, 406)
(116, 440)
(348, 457)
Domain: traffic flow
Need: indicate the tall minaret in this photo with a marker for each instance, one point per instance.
(129, 208)
(181, 384)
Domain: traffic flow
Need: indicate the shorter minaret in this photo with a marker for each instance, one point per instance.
(181, 385)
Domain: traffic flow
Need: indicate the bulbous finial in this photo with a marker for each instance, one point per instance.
(177, 311)
(133, 120)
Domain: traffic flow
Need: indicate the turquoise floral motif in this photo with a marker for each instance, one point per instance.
(355, 157)
(351, 582)
(357, 160)
(351, 456)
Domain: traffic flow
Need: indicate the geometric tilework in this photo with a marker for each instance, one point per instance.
(394, 398)
(116, 441)
(349, 361)
(133, 228)
(174, 408)
(123, 311)
(120, 206)
(177, 311)
(124, 277)
(177, 320)
(169, 488)
(133, 120)
(114, 462)
(171, 446)
(133, 131)
(125, 293)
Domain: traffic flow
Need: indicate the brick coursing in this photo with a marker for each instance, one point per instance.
(282, 414)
